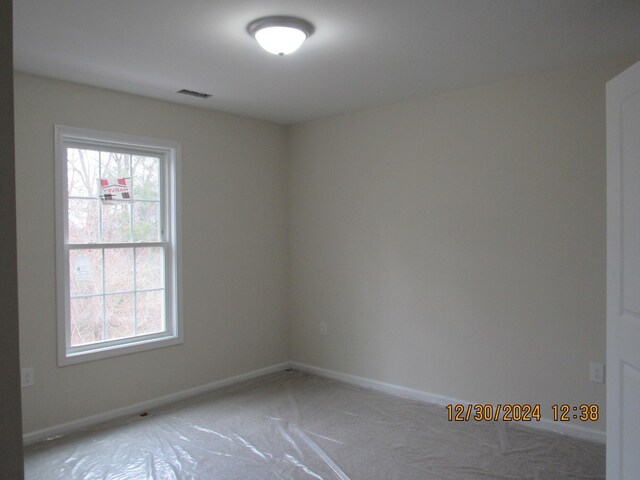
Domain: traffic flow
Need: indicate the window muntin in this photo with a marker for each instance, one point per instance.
(120, 287)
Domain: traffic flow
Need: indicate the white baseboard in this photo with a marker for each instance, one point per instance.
(86, 422)
(422, 396)
(389, 388)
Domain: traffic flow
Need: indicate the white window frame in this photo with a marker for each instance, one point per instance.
(169, 153)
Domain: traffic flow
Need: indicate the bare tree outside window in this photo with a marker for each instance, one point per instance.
(115, 292)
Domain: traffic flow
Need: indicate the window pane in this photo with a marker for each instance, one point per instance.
(115, 165)
(85, 272)
(150, 311)
(149, 268)
(146, 221)
(118, 270)
(146, 178)
(84, 221)
(116, 223)
(86, 320)
(120, 323)
(83, 171)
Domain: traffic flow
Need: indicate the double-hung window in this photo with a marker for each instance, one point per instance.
(118, 261)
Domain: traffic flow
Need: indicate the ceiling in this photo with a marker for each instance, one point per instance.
(363, 53)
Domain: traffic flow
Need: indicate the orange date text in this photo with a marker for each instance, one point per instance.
(492, 413)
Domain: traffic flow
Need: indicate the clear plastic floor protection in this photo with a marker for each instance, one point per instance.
(292, 425)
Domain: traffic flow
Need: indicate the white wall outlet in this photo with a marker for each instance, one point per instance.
(27, 377)
(324, 329)
(596, 372)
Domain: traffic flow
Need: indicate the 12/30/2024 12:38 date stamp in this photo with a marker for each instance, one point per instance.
(515, 412)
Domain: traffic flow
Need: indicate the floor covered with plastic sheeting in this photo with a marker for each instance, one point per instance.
(293, 425)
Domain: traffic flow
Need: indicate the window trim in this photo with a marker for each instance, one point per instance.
(171, 215)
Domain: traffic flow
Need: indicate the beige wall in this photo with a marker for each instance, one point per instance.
(10, 426)
(234, 249)
(456, 244)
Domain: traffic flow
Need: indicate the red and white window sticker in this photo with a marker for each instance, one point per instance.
(116, 190)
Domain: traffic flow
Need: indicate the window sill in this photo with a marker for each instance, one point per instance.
(101, 352)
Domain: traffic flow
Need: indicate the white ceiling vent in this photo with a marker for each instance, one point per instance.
(193, 93)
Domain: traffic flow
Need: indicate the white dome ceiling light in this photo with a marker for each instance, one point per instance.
(280, 35)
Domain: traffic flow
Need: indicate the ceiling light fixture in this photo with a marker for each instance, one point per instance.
(280, 35)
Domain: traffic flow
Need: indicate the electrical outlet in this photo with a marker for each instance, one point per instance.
(596, 372)
(324, 329)
(27, 377)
